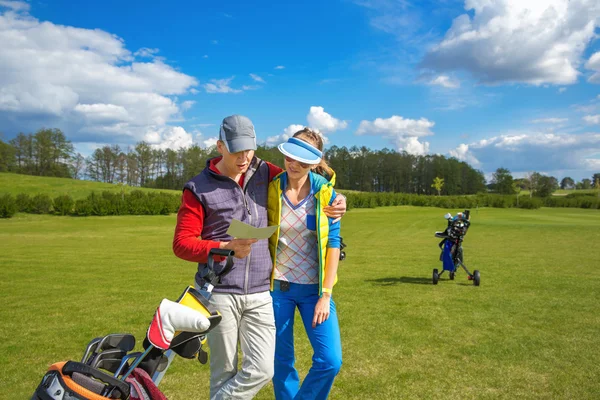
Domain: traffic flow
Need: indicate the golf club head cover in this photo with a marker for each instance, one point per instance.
(171, 317)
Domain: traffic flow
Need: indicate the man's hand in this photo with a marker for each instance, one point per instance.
(337, 209)
(241, 247)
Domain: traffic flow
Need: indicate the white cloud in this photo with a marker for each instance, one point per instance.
(403, 132)
(186, 105)
(257, 78)
(535, 42)
(562, 90)
(202, 125)
(287, 133)
(170, 137)
(102, 113)
(15, 5)
(532, 151)
(84, 81)
(220, 86)
(146, 52)
(445, 81)
(594, 64)
(250, 87)
(592, 119)
(550, 120)
(199, 137)
(329, 80)
(462, 153)
(280, 67)
(212, 141)
(324, 122)
(317, 120)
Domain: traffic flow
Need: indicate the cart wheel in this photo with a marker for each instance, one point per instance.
(436, 277)
(452, 275)
(476, 278)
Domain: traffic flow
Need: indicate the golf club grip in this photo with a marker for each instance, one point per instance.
(221, 252)
(224, 253)
(72, 366)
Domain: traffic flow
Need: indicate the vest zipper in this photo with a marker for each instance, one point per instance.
(244, 191)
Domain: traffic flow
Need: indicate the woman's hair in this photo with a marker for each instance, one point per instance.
(315, 139)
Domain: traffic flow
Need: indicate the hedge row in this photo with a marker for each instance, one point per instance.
(141, 203)
(372, 200)
(105, 203)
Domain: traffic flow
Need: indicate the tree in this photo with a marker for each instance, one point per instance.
(502, 181)
(546, 185)
(586, 184)
(597, 185)
(532, 182)
(517, 190)
(7, 157)
(567, 183)
(77, 166)
(438, 184)
(143, 154)
(595, 178)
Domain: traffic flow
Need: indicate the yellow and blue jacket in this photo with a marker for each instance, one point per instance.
(328, 233)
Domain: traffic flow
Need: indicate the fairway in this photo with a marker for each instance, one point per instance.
(530, 331)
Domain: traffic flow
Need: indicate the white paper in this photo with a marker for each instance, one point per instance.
(240, 230)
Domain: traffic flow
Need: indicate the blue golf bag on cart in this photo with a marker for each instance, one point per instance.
(451, 246)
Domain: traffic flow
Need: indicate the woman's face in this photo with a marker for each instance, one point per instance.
(296, 169)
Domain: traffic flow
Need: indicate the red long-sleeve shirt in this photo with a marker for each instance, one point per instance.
(187, 243)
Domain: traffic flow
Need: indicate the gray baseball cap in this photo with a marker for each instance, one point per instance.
(237, 132)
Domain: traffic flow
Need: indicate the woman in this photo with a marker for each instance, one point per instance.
(305, 252)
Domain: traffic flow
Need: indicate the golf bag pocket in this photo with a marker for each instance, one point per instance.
(77, 381)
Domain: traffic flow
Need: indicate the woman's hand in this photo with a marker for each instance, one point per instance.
(322, 310)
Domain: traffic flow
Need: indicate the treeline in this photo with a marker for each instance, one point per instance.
(45, 153)
(48, 153)
(538, 185)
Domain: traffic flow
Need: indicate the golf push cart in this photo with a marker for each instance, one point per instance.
(110, 370)
(451, 246)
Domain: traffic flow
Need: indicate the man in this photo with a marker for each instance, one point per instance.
(234, 186)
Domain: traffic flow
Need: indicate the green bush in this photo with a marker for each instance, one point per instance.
(23, 202)
(118, 205)
(579, 194)
(63, 205)
(530, 203)
(83, 208)
(101, 206)
(8, 206)
(136, 203)
(41, 204)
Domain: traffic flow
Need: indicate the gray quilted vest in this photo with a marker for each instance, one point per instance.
(223, 199)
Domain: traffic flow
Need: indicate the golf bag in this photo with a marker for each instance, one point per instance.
(451, 247)
(110, 370)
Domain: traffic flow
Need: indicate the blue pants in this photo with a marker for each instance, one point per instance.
(325, 341)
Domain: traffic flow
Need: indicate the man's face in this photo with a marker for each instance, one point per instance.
(235, 163)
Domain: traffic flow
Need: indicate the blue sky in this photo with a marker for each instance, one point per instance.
(506, 83)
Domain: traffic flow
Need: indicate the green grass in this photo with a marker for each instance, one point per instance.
(530, 331)
(32, 185)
